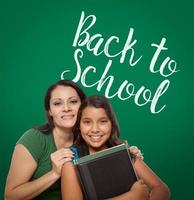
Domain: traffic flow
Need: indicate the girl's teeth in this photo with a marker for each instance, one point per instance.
(95, 138)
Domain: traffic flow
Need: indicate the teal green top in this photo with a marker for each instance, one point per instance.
(40, 146)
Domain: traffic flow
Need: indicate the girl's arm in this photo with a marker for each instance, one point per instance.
(70, 187)
(159, 190)
(139, 191)
(23, 165)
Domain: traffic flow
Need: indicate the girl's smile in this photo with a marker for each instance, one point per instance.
(95, 128)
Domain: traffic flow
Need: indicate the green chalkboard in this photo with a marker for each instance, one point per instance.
(139, 54)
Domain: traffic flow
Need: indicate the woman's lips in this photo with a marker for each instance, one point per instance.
(67, 116)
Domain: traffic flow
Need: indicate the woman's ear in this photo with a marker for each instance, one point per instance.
(50, 113)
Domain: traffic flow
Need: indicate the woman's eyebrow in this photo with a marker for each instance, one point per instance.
(73, 97)
(59, 98)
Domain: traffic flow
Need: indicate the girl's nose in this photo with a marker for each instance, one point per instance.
(95, 128)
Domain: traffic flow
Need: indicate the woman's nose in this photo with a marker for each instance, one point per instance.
(66, 107)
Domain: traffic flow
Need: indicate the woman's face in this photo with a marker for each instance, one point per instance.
(95, 128)
(64, 105)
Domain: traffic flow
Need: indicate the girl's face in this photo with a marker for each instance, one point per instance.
(64, 105)
(95, 128)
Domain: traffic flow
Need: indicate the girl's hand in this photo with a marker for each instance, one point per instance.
(59, 157)
(136, 152)
(141, 190)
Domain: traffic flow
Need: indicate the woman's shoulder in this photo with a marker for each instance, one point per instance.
(34, 138)
(31, 134)
(34, 141)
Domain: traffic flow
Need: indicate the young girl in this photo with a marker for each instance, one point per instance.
(96, 129)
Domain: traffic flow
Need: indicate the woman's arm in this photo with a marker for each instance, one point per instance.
(70, 187)
(23, 165)
(159, 190)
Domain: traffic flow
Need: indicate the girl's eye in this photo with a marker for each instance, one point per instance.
(86, 122)
(104, 120)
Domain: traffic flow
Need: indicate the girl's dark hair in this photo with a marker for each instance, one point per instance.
(66, 83)
(97, 102)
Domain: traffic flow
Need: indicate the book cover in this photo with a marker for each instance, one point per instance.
(107, 173)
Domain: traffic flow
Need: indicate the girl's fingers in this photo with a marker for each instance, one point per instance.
(134, 150)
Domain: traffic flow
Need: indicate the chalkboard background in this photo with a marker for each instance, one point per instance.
(36, 41)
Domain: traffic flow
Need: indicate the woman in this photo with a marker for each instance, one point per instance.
(40, 153)
(96, 129)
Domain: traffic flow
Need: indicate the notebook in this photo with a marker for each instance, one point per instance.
(107, 173)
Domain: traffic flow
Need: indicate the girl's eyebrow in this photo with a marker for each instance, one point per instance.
(104, 118)
(99, 118)
(85, 117)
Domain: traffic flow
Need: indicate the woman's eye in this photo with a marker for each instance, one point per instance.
(73, 101)
(57, 103)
